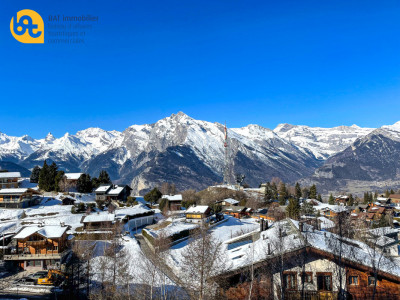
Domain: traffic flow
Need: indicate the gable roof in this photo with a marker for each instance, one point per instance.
(173, 197)
(99, 217)
(231, 201)
(48, 231)
(198, 209)
(73, 176)
(10, 174)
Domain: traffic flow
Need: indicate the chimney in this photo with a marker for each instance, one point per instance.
(301, 226)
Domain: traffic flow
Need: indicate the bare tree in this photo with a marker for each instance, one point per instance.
(202, 260)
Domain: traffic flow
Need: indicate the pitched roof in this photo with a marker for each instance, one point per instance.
(231, 201)
(10, 174)
(199, 209)
(73, 176)
(173, 197)
(48, 231)
(99, 217)
(103, 188)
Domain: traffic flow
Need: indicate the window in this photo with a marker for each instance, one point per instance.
(324, 281)
(290, 281)
(306, 277)
(371, 280)
(353, 280)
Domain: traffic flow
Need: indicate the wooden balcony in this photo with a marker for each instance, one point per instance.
(310, 295)
(33, 256)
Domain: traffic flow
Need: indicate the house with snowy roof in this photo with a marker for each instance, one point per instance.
(229, 202)
(108, 192)
(18, 197)
(39, 247)
(9, 180)
(198, 213)
(174, 201)
(294, 260)
(98, 221)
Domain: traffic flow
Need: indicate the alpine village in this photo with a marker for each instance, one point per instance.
(77, 236)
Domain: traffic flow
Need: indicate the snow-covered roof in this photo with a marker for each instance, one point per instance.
(48, 231)
(99, 217)
(13, 191)
(381, 231)
(326, 223)
(383, 241)
(73, 176)
(132, 211)
(199, 209)
(115, 191)
(102, 188)
(231, 201)
(10, 174)
(173, 197)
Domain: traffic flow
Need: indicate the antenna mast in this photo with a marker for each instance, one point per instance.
(227, 170)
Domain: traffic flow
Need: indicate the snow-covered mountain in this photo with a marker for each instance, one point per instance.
(186, 151)
(321, 142)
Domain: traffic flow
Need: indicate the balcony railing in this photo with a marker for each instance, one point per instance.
(310, 295)
(32, 256)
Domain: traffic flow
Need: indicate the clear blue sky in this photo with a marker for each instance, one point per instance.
(265, 62)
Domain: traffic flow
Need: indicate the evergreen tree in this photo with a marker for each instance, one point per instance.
(104, 178)
(351, 199)
(268, 195)
(44, 181)
(274, 190)
(297, 189)
(153, 196)
(58, 178)
(375, 195)
(307, 208)
(84, 184)
(282, 193)
(313, 192)
(293, 208)
(53, 169)
(35, 174)
(331, 199)
(387, 193)
(319, 198)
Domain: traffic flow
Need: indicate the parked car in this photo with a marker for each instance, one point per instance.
(39, 274)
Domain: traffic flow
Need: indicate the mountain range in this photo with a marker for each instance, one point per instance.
(190, 153)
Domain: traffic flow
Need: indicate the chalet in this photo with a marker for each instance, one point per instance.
(198, 213)
(72, 178)
(229, 202)
(395, 198)
(331, 211)
(300, 262)
(9, 180)
(112, 192)
(383, 200)
(174, 201)
(236, 211)
(135, 216)
(18, 197)
(260, 214)
(98, 221)
(274, 214)
(342, 200)
(39, 247)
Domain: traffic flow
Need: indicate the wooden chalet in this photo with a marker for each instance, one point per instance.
(9, 180)
(18, 197)
(98, 221)
(174, 202)
(198, 213)
(395, 198)
(39, 247)
(106, 193)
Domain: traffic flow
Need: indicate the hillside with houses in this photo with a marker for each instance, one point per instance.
(73, 236)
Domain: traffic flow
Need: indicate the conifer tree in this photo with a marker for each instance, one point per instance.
(44, 178)
(319, 198)
(35, 174)
(351, 199)
(297, 191)
(313, 192)
(282, 193)
(293, 208)
(104, 178)
(331, 199)
(84, 184)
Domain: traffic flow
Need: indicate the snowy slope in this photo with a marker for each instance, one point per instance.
(322, 142)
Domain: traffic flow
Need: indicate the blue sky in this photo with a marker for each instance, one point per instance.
(265, 62)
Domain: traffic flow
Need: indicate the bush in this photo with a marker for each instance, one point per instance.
(73, 210)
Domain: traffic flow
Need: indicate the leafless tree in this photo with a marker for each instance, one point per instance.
(202, 259)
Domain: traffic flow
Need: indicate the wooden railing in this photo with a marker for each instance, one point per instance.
(310, 295)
